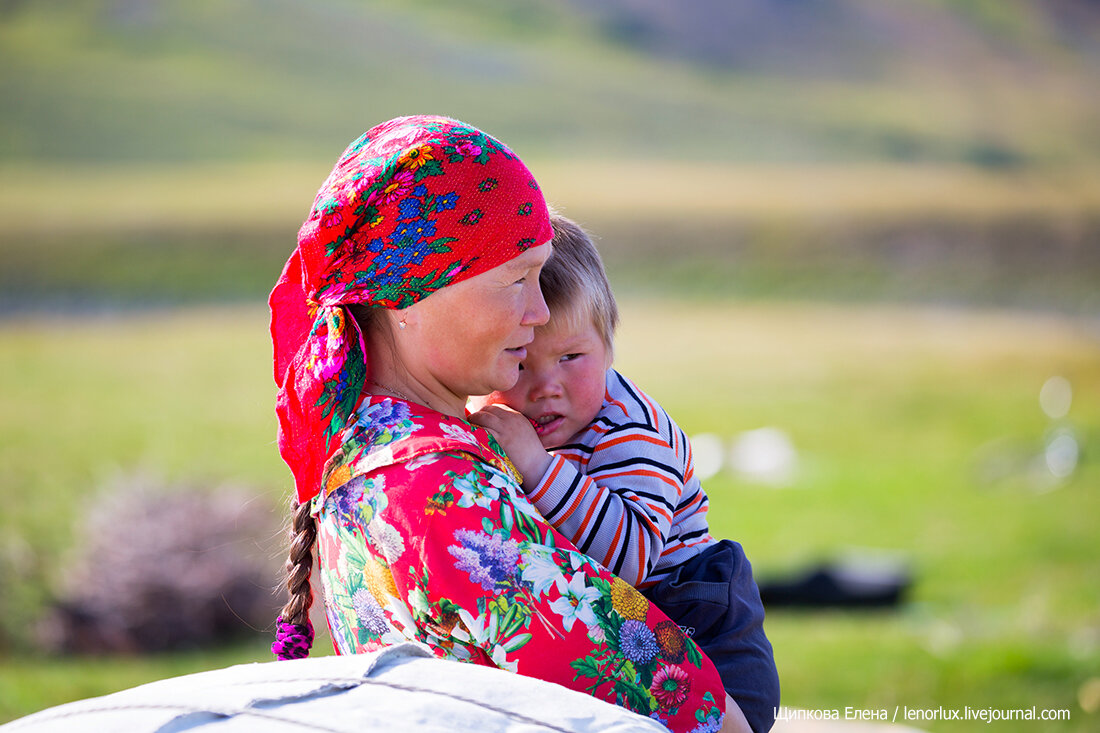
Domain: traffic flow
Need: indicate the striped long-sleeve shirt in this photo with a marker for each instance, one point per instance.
(624, 489)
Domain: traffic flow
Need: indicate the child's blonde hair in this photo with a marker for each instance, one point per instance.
(574, 282)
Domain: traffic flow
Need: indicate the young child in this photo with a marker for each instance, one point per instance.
(619, 481)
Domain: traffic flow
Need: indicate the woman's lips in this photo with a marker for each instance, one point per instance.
(520, 352)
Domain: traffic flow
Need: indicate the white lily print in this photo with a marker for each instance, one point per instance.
(540, 570)
(475, 492)
(484, 633)
(575, 602)
(458, 433)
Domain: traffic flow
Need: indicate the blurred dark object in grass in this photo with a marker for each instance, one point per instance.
(844, 584)
(160, 567)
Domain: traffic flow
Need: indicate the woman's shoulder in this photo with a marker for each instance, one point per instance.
(385, 431)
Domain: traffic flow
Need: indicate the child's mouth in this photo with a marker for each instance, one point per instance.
(546, 423)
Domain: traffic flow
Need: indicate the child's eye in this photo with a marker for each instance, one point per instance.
(571, 357)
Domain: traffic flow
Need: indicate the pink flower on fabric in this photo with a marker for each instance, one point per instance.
(469, 149)
(324, 366)
(327, 354)
(399, 185)
(670, 686)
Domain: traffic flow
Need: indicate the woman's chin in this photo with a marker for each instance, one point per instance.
(501, 380)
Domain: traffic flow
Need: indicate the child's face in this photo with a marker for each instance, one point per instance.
(561, 382)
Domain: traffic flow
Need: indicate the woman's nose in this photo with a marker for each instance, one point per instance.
(536, 313)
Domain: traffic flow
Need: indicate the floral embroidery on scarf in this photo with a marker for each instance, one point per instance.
(337, 362)
(394, 276)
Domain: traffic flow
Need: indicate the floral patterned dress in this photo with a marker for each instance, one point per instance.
(425, 535)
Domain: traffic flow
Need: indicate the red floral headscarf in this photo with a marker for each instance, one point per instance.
(412, 206)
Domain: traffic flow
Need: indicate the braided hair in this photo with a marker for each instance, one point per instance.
(294, 632)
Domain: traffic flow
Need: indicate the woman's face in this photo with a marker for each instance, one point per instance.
(469, 338)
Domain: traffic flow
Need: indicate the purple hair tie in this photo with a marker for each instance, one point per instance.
(292, 641)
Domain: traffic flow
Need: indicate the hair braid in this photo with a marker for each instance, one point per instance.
(294, 636)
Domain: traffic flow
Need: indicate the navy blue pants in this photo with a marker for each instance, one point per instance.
(714, 598)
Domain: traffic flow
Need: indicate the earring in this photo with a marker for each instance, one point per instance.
(401, 325)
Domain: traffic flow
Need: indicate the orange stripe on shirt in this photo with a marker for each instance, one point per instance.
(575, 456)
(614, 542)
(652, 474)
(676, 545)
(573, 507)
(591, 510)
(549, 480)
(653, 507)
(618, 404)
(672, 546)
(648, 522)
(690, 505)
(630, 439)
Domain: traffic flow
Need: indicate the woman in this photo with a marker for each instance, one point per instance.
(414, 286)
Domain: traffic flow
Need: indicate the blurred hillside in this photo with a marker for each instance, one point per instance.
(997, 83)
(161, 151)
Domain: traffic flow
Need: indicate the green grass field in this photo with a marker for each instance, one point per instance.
(896, 414)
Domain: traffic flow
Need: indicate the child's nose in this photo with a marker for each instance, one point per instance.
(546, 384)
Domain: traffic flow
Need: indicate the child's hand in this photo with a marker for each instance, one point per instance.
(518, 438)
